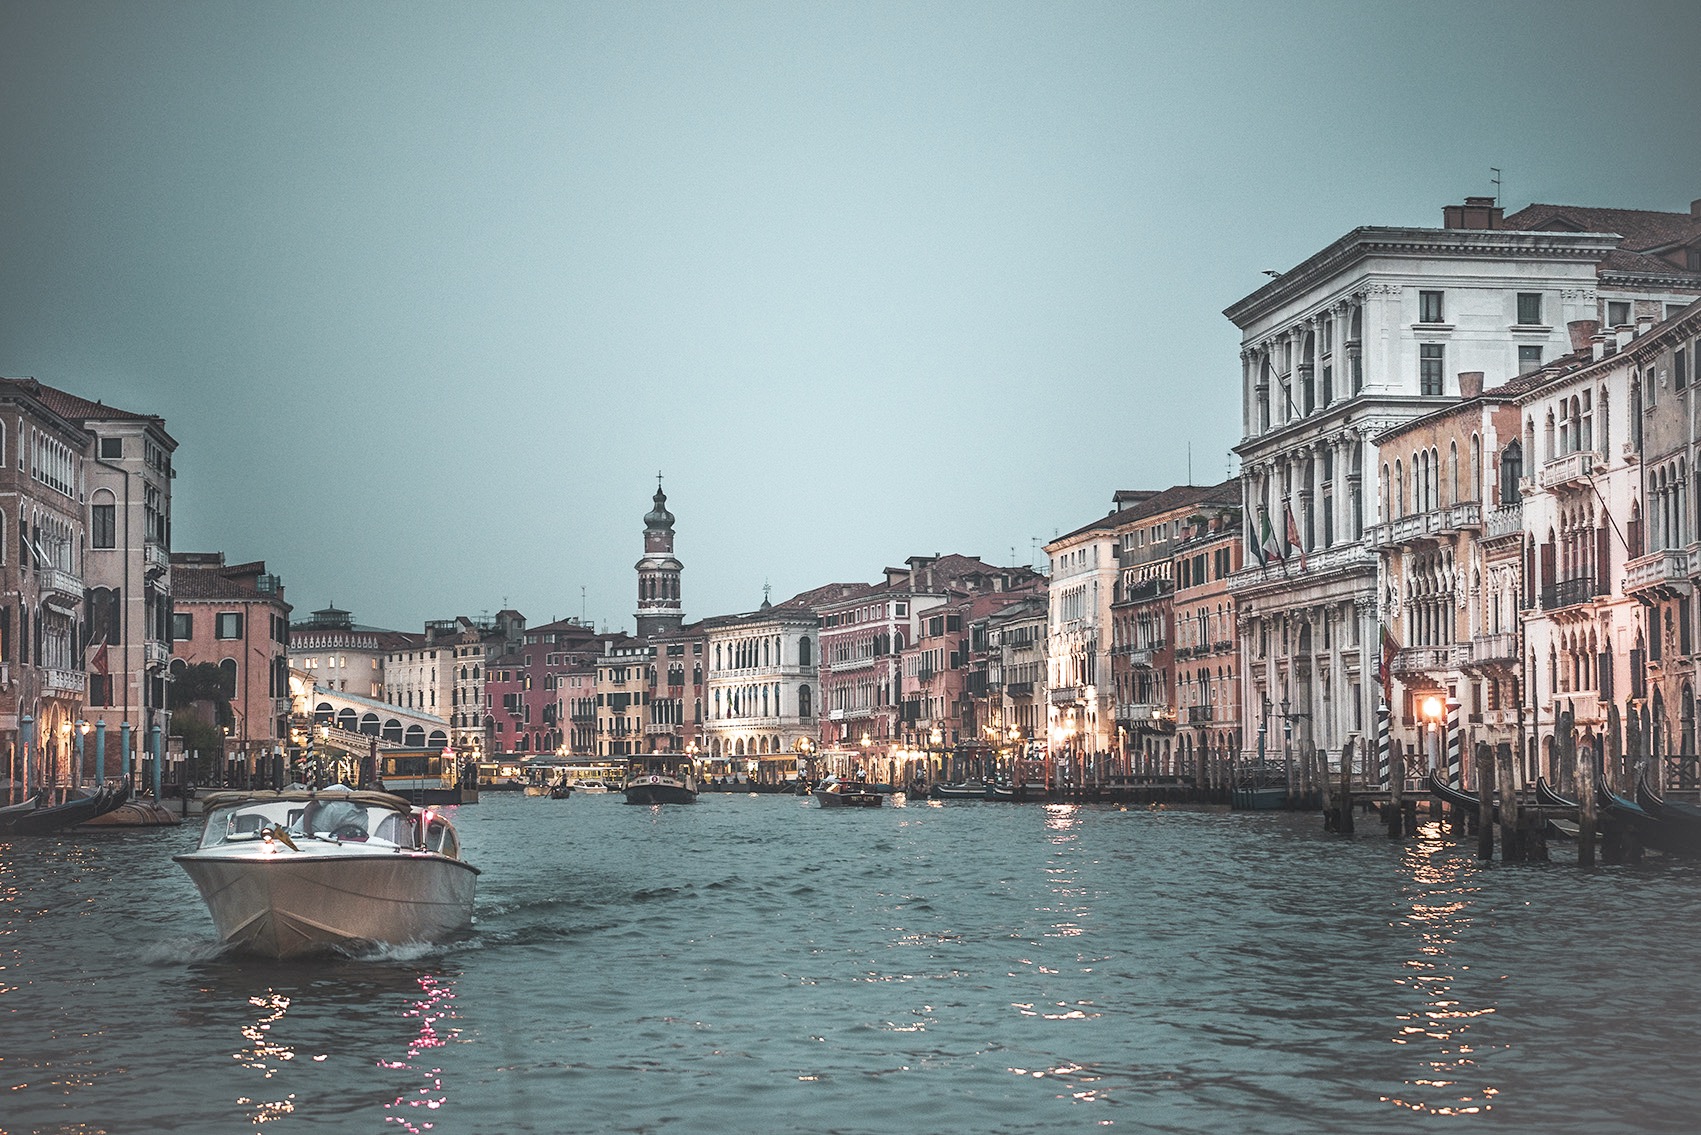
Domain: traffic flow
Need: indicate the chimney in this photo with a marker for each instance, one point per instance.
(1475, 213)
(1623, 333)
(1470, 383)
(1582, 332)
(1695, 207)
(1598, 342)
(1644, 324)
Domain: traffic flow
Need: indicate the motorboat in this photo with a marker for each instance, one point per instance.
(590, 787)
(297, 872)
(661, 778)
(835, 793)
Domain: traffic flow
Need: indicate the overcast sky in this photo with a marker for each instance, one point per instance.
(428, 293)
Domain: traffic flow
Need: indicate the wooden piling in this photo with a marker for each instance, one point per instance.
(1345, 796)
(1485, 801)
(1511, 843)
(1585, 766)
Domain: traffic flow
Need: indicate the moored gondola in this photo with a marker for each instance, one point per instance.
(1548, 798)
(1458, 797)
(77, 810)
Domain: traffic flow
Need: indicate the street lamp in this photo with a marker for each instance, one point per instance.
(1433, 710)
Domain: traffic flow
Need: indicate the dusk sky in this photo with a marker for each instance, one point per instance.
(428, 293)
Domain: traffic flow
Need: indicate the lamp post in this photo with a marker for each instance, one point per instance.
(1433, 712)
(82, 732)
(26, 738)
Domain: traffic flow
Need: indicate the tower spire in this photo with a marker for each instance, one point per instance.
(658, 572)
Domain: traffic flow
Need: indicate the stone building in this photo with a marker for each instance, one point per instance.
(340, 654)
(762, 687)
(1369, 332)
(235, 617)
(1206, 553)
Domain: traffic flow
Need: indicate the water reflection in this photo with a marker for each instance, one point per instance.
(266, 1055)
(436, 1003)
(1438, 1026)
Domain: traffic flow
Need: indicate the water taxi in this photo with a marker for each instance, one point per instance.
(661, 778)
(298, 872)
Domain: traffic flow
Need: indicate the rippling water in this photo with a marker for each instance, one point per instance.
(757, 964)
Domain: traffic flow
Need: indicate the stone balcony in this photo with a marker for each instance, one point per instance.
(1429, 525)
(57, 681)
(156, 561)
(1423, 660)
(1504, 520)
(1665, 573)
(1486, 650)
(155, 654)
(61, 582)
(1571, 471)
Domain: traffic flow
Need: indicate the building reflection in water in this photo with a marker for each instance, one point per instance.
(416, 1112)
(265, 1055)
(1438, 1028)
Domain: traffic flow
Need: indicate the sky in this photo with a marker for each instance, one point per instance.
(428, 293)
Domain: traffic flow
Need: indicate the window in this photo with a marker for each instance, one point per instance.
(1680, 369)
(103, 525)
(1429, 307)
(1530, 308)
(229, 625)
(1618, 313)
(111, 448)
(1529, 359)
(1430, 359)
(182, 626)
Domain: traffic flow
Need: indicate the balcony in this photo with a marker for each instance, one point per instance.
(155, 655)
(1425, 525)
(56, 681)
(1568, 593)
(1423, 660)
(1198, 713)
(1487, 650)
(1145, 715)
(1504, 520)
(1571, 471)
(61, 582)
(1019, 689)
(1066, 695)
(155, 559)
(1661, 574)
(1142, 657)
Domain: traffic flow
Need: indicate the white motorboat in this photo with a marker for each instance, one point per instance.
(590, 787)
(296, 872)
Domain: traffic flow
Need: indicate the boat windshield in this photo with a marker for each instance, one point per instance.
(336, 820)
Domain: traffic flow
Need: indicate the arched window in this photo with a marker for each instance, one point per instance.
(804, 657)
(346, 719)
(437, 740)
(414, 737)
(392, 731)
(1511, 469)
(227, 677)
(805, 707)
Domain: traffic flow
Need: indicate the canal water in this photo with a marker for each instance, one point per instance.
(758, 964)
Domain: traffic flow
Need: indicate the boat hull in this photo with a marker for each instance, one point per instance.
(288, 904)
(659, 790)
(847, 799)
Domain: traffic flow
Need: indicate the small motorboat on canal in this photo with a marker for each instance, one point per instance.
(835, 793)
(298, 872)
(661, 778)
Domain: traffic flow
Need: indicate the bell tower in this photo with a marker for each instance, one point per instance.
(658, 572)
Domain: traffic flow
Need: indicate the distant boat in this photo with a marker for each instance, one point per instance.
(966, 790)
(289, 873)
(661, 778)
(835, 793)
(38, 817)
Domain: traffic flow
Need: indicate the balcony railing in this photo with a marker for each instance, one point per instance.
(1660, 571)
(1426, 525)
(155, 559)
(63, 681)
(155, 654)
(1197, 713)
(1486, 649)
(1423, 659)
(1571, 471)
(1142, 658)
(1019, 689)
(1504, 520)
(1568, 593)
(61, 581)
(1064, 695)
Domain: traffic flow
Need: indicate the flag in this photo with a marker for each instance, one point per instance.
(1385, 668)
(100, 663)
(1293, 538)
(1267, 538)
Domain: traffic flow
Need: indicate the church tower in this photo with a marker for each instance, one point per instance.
(658, 572)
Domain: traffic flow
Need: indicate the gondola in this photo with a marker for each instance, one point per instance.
(1457, 797)
(81, 809)
(1683, 817)
(1670, 836)
(1548, 798)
